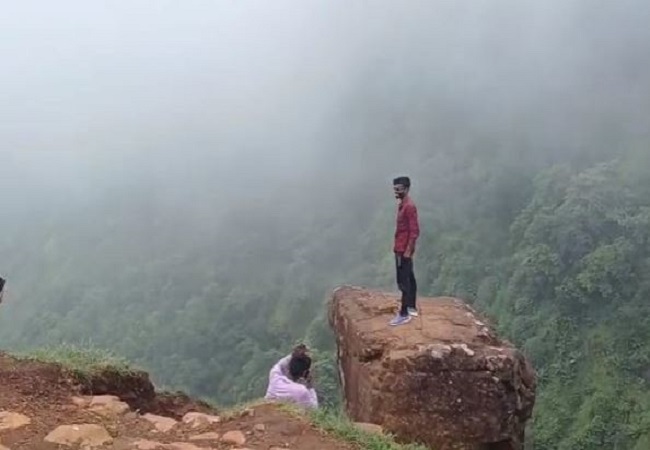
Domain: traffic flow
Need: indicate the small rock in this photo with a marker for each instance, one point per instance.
(183, 446)
(468, 351)
(196, 420)
(234, 438)
(260, 428)
(94, 400)
(162, 424)
(211, 436)
(144, 444)
(12, 421)
(103, 400)
(121, 443)
(68, 408)
(439, 351)
(108, 405)
(484, 332)
(87, 435)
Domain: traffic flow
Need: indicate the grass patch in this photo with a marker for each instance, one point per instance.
(337, 424)
(84, 361)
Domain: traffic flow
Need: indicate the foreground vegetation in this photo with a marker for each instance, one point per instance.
(84, 361)
(337, 424)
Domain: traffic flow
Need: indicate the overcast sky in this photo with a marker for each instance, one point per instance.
(106, 93)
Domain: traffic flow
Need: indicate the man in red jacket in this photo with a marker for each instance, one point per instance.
(407, 232)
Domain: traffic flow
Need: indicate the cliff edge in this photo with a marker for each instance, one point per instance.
(444, 380)
(44, 406)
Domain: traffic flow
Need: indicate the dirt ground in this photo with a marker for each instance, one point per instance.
(45, 394)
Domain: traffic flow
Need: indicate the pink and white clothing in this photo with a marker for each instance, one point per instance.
(284, 389)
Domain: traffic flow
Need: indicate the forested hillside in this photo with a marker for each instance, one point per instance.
(563, 271)
(191, 196)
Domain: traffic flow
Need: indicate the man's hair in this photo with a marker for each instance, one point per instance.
(404, 181)
(299, 365)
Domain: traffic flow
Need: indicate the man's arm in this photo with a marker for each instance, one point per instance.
(309, 399)
(414, 230)
(281, 367)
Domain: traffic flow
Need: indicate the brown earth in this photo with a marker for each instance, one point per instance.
(49, 396)
(444, 379)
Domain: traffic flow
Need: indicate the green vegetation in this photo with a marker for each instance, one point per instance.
(556, 253)
(82, 360)
(572, 290)
(186, 187)
(337, 424)
(553, 245)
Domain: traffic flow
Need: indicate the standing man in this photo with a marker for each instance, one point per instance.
(406, 233)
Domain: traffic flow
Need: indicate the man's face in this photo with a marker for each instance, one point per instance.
(400, 191)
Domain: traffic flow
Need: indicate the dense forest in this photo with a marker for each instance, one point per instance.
(557, 258)
(199, 236)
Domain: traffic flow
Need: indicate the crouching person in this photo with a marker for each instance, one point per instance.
(290, 380)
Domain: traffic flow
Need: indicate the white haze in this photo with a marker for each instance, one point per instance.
(239, 97)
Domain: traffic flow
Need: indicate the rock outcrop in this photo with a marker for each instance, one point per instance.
(444, 380)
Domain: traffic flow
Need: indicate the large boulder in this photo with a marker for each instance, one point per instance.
(444, 380)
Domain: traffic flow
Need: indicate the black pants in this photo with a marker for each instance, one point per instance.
(406, 282)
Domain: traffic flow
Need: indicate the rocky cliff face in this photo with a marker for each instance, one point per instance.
(444, 380)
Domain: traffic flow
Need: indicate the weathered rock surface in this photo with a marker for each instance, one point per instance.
(162, 424)
(183, 446)
(11, 420)
(235, 437)
(197, 419)
(209, 436)
(145, 444)
(444, 380)
(86, 435)
(107, 405)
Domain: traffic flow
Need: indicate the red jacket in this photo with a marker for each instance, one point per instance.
(408, 228)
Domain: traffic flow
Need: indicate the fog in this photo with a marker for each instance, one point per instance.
(243, 96)
(187, 113)
(183, 181)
